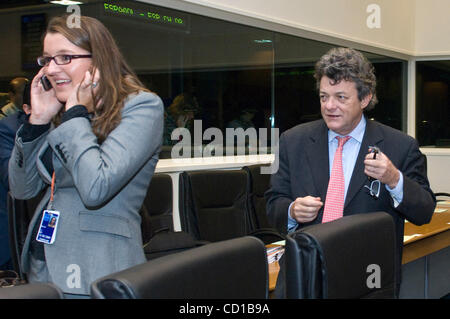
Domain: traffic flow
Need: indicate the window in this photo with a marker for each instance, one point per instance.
(433, 103)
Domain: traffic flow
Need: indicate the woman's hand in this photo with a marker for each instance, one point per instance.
(44, 104)
(85, 91)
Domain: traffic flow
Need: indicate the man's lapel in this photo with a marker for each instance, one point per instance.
(317, 154)
(372, 137)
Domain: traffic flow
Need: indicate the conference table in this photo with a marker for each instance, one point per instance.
(426, 254)
(420, 241)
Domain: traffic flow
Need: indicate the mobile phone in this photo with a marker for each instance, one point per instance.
(48, 227)
(375, 150)
(46, 83)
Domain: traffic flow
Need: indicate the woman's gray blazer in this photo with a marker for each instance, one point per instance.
(99, 190)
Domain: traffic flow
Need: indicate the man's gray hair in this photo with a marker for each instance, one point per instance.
(350, 65)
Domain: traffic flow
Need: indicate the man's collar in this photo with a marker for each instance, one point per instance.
(357, 133)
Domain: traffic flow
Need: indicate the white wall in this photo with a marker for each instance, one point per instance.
(432, 27)
(413, 27)
(345, 19)
(438, 161)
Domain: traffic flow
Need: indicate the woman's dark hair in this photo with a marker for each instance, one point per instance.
(350, 65)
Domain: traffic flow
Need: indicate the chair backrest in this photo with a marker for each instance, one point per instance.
(15, 229)
(258, 185)
(235, 268)
(442, 194)
(20, 213)
(156, 211)
(32, 291)
(352, 257)
(213, 204)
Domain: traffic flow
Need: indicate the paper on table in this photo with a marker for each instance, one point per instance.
(444, 203)
(406, 238)
(274, 253)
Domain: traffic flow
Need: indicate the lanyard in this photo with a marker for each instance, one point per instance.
(52, 191)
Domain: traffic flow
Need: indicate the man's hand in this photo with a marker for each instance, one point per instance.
(382, 169)
(305, 209)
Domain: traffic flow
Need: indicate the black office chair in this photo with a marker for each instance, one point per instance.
(158, 234)
(213, 204)
(352, 257)
(20, 213)
(441, 194)
(258, 184)
(156, 211)
(230, 269)
(32, 291)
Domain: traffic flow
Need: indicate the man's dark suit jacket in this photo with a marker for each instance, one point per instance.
(304, 170)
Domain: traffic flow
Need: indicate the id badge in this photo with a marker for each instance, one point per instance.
(47, 229)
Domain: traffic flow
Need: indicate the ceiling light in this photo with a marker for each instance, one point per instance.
(66, 2)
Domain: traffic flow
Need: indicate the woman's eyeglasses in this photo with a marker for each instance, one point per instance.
(60, 59)
(374, 188)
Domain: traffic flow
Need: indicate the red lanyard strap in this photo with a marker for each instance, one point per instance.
(52, 187)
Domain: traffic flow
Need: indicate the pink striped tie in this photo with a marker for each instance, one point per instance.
(334, 203)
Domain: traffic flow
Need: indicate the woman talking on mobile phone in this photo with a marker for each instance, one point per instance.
(94, 137)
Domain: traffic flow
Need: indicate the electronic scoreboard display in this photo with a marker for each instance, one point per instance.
(141, 12)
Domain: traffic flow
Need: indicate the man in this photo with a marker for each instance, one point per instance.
(8, 129)
(301, 187)
(16, 87)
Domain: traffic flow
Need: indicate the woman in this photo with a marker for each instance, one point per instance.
(99, 155)
(179, 114)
